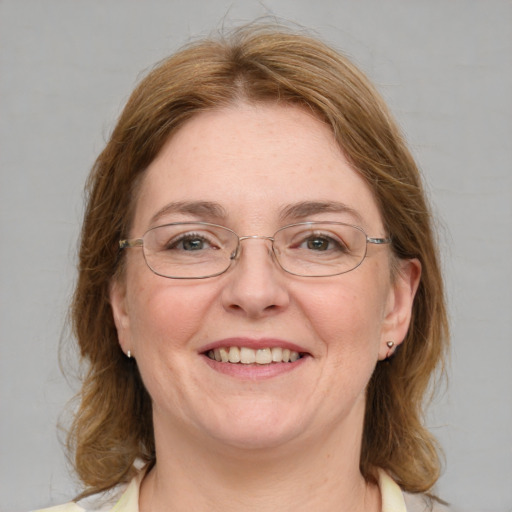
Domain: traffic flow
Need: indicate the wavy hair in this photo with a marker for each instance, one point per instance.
(113, 425)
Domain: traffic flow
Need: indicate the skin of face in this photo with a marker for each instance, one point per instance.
(254, 161)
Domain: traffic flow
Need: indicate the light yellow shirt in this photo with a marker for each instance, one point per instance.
(126, 499)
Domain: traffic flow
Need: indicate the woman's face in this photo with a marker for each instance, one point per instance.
(258, 168)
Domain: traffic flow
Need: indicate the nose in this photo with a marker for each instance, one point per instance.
(256, 285)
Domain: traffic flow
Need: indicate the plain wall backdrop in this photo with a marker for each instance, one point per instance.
(66, 69)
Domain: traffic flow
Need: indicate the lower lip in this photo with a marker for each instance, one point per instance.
(254, 371)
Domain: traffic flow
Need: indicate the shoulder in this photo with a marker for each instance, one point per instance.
(422, 503)
(96, 503)
(67, 507)
(121, 498)
(395, 500)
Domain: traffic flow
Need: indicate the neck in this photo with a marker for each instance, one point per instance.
(301, 476)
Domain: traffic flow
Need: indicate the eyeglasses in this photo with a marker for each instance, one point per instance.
(197, 250)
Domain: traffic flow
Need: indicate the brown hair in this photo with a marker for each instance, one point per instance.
(113, 426)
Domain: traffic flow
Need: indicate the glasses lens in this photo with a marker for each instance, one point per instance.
(317, 249)
(189, 250)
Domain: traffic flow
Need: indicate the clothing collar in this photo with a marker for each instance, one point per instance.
(391, 494)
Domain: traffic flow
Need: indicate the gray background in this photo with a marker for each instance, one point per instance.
(67, 67)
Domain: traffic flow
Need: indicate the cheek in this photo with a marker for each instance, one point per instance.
(165, 319)
(166, 314)
(348, 315)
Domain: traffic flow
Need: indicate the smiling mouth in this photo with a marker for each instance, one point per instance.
(245, 355)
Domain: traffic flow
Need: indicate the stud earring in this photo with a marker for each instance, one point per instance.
(390, 345)
(129, 354)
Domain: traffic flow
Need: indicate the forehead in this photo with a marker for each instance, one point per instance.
(254, 161)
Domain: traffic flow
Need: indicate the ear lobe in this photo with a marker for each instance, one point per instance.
(117, 295)
(399, 307)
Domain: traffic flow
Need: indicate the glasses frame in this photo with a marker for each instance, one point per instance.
(129, 243)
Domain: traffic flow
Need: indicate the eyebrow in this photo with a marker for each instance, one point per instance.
(305, 209)
(292, 212)
(197, 208)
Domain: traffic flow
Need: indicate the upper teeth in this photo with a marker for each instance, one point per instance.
(246, 355)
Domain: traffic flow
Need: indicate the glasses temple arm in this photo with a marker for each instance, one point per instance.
(378, 241)
(135, 242)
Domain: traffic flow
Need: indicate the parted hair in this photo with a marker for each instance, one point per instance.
(113, 427)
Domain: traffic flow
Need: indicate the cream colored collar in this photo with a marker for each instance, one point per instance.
(392, 496)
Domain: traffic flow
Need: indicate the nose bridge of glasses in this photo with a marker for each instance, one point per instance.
(253, 237)
(256, 237)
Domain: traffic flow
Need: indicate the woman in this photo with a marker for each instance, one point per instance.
(259, 296)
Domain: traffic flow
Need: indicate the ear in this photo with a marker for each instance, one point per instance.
(117, 295)
(399, 305)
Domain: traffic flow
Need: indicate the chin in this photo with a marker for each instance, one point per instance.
(258, 428)
(256, 441)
